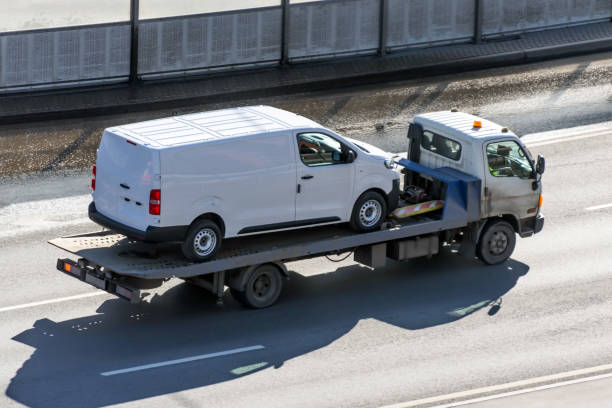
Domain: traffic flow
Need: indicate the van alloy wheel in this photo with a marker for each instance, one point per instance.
(370, 213)
(204, 242)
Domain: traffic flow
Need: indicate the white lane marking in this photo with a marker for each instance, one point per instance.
(46, 302)
(598, 207)
(567, 139)
(524, 391)
(568, 133)
(459, 397)
(182, 360)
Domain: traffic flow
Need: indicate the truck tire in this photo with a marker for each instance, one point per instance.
(262, 289)
(203, 241)
(369, 212)
(496, 243)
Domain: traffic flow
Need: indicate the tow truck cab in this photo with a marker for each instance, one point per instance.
(511, 189)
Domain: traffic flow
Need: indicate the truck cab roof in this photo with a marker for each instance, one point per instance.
(211, 126)
(460, 125)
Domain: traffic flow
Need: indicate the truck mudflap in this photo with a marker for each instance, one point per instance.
(94, 277)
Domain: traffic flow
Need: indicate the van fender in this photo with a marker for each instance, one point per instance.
(373, 183)
(237, 279)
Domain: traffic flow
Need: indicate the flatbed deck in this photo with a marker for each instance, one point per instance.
(107, 259)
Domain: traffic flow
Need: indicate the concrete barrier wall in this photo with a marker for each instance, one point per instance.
(507, 16)
(38, 57)
(209, 41)
(333, 27)
(246, 38)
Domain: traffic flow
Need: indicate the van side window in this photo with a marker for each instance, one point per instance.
(507, 159)
(441, 145)
(318, 149)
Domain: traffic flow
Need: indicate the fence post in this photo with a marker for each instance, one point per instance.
(382, 27)
(284, 60)
(478, 8)
(134, 7)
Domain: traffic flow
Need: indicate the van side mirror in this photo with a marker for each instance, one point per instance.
(541, 165)
(350, 156)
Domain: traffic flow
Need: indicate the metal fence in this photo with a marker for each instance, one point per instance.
(333, 28)
(507, 16)
(209, 41)
(56, 56)
(424, 22)
(288, 33)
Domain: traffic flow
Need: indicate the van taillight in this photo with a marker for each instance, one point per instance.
(155, 202)
(93, 179)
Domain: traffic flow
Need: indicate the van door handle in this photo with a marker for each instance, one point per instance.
(125, 186)
(307, 177)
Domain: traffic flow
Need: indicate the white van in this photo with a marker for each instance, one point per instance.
(202, 177)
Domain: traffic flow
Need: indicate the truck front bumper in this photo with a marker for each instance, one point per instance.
(152, 234)
(530, 226)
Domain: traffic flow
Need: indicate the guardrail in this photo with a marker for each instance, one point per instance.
(287, 33)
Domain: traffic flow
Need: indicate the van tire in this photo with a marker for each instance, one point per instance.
(262, 289)
(203, 241)
(369, 212)
(496, 243)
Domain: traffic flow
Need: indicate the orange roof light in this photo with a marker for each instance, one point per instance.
(477, 124)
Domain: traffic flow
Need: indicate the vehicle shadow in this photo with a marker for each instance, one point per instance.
(70, 356)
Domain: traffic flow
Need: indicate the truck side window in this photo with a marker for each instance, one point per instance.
(441, 145)
(318, 149)
(507, 159)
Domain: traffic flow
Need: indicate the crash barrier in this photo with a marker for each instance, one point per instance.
(287, 33)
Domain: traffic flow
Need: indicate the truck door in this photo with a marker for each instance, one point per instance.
(509, 176)
(324, 178)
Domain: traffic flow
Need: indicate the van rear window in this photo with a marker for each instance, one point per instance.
(441, 145)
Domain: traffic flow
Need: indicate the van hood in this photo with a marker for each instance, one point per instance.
(371, 149)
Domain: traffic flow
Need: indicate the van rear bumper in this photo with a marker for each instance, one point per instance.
(152, 234)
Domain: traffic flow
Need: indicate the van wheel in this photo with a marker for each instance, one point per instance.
(496, 243)
(369, 212)
(202, 242)
(262, 289)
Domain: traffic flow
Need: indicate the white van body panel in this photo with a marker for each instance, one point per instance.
(246, 182)
(126, 173)
(241, 164)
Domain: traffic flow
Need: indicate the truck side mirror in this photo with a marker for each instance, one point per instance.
(541, 165)
(350, 156)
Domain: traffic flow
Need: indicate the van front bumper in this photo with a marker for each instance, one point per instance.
(152, 234)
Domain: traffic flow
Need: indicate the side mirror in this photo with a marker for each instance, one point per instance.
(541, 165)
(350, 156)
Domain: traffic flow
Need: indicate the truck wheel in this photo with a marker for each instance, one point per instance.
(369, 212)
(202, 242)
(263, 287)
(496, 243)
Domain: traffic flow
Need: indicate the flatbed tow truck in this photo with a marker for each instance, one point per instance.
(253, 268)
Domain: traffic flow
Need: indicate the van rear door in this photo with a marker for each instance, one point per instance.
(125, 177)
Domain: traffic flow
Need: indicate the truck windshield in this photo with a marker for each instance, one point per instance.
(507, 159)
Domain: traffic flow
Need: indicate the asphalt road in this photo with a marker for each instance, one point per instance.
(341, 334)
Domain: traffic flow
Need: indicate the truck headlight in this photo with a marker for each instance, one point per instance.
(390, 164)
